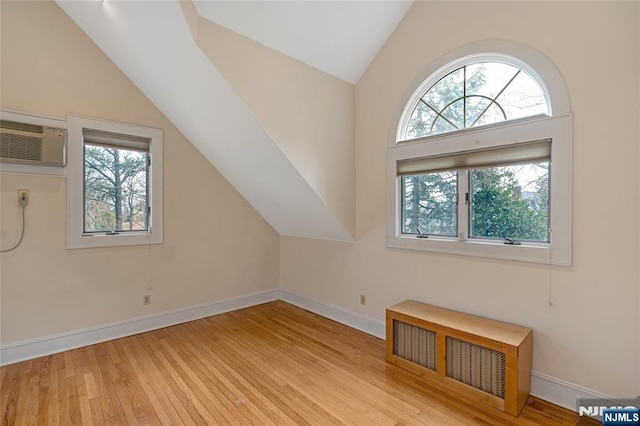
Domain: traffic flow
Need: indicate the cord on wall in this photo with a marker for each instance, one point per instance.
(23, 201)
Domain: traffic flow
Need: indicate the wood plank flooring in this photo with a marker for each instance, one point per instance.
(273, 364)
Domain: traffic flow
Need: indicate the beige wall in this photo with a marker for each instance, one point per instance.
(585, 318)
(216, 246)
(307, 113)
(588, 335)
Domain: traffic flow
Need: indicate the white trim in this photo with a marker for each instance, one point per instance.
(543, 386)
(561, 392)
(38, 120)
(34, 348)
(75, 184)
(349, 318)
(30, 169)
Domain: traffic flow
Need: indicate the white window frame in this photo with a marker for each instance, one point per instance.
(557, 127)
(75, 185)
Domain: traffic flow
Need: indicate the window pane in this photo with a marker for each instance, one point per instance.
(511, 202)
(453, 115)
(523, 98)
(446, 100)
(446, 90)
(488, 78)
(429, 204)
(421, 121)
(474, 95)
(491, 113)
(115, 189)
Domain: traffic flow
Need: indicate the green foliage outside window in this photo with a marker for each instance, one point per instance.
(501, 206)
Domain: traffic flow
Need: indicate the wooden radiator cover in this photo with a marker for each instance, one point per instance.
(480, 358)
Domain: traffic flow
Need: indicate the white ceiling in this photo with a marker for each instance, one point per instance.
(340, 38)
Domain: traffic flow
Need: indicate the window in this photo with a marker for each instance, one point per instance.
(474, 95)
(506, 193)
(114, 184)
(481, 166)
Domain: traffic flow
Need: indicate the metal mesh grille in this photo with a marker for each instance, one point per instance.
(414, 344)
(19, 147)
(476, 366)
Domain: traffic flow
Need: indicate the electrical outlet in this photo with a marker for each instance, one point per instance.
(363, 299)
(23, 197)
(146, 299)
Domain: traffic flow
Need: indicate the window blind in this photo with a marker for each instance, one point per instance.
(115, 140)
(524, 152)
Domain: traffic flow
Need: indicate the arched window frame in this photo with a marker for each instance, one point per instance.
(557, 127)
(453, 66)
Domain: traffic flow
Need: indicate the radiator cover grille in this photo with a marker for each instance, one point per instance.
(415, 344)
(477, 366)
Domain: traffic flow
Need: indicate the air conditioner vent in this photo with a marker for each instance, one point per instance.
(19, 147)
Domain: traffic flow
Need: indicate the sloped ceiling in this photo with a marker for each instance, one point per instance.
(340, 38)
(151, 42)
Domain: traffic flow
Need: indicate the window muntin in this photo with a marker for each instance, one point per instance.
(473, 95)
(115, 189)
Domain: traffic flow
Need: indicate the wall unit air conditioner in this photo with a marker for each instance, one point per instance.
(30, 144)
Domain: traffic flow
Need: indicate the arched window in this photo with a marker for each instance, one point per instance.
(481, 166)
(473, 95)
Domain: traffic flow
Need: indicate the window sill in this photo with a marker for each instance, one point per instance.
(532, 253)
(124, 239)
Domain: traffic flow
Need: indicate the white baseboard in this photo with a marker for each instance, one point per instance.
(29, 349)
(355, 320)
(561, 392)
(543, 386)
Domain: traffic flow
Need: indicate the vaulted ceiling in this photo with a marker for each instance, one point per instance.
(340, 38)
(158, 46)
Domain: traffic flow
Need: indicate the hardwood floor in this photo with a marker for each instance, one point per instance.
(273, 364)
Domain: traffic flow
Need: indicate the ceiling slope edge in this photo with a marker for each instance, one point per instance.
(340, 38)
(151, 42)
(316, 137)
